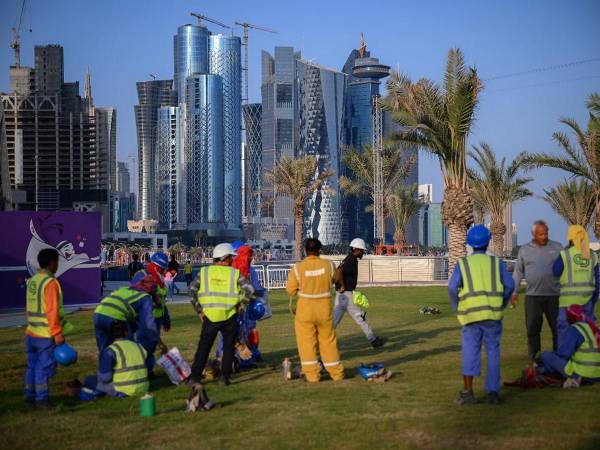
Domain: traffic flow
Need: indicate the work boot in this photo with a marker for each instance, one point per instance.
(465, 398)
(378, 342)
(44, 405)
(493, 398)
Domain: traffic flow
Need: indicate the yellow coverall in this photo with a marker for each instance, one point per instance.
(311, 280)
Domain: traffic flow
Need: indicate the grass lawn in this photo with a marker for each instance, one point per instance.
(414, 409)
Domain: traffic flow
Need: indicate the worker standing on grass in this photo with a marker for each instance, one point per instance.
(479, 290)
(45, 328)
(577, 267)
(311, 280)
(187, 271)
(217, 294)
(344, 300)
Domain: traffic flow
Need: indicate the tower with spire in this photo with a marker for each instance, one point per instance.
(89, 101)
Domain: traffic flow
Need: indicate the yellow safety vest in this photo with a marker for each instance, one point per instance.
(218, 293)
(130, 375)
(577, 281)
(117, 305)
(37, 322)
(480, 297)
(585, 362)
(187, 269)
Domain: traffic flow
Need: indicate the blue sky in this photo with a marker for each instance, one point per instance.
(123, 41)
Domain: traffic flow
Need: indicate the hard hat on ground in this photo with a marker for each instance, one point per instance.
(223, 250)
(65, 355)
(478, 236)
(358, 243)
(160, 259)
(256, 309)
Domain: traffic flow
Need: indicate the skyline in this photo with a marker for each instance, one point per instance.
(516, 113)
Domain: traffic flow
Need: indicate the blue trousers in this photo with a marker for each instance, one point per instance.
(150, 347)
(41, 366)
(552, 364)
(473, 335)
(562, 325)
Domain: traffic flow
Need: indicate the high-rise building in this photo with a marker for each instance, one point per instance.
(5, 191)
(204, 152)
(151, 95)
(425, 192)
(432, 232)
(50, 69)
(168, 168)
(321, 103)
(279, 128)
(106, 143)
(190, 51)
(224, 60)
(123, 178)
(252, 160)
(22, 80)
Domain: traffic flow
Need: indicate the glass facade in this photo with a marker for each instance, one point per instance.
(432, 232)
(204, 151)
(225, 61)
(168, 167)
(190, 50)
(321, 103)
(253, 158)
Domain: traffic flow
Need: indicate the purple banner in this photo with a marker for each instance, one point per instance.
(76, 236)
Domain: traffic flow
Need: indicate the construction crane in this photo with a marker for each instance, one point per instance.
(15, 44)
(200, 18)
(378, 219)
(246, 26)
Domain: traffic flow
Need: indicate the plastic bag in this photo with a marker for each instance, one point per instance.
(268, 311)
(175, 366)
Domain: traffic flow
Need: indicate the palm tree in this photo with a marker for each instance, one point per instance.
(402, 205)
(573, 200)
(439, 120)
(581, 160)
(361, 184)
(298, 178)
(494, 186)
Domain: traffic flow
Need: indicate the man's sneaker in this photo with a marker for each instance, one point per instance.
(224, 381)
(572, 382)
(44, 405)
(378, 342)
(493, 398)
(465, 398)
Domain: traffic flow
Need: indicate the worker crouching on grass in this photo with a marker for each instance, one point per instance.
(344, 299)
(122, 370)
(45, 329)
(479, 290)
(311, 280)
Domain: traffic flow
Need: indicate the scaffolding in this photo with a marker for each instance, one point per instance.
(378, 217)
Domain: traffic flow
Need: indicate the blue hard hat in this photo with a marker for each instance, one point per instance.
(160, 259)
(237, 244)
(256, 309)
(479, 236)
(65, 355)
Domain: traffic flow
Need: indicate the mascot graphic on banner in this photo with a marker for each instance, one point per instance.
(66, 250)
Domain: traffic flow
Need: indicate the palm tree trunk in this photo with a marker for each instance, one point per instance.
(456, 244)
(399, 236)
(457, 214)
(597, 216)
(498, 230)
(298, 219)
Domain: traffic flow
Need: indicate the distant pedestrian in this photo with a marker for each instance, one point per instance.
(187, 271)
(174, 269)
(534, 263)
(134, 266)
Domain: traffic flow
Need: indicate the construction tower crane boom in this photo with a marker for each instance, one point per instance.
(246, 26)
(200, 18)
(15, 44)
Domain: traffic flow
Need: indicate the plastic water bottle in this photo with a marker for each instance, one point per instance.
(287, 369)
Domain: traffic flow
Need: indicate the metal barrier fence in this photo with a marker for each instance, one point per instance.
(371, 271)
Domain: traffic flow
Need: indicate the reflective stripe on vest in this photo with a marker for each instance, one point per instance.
(37, 321)
(577, 281)
(130, 375)
(480, 297)
(118, 304)
(585, 362)
(326, 294)
(218, 301)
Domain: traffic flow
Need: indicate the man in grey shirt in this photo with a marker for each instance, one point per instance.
(534, 263)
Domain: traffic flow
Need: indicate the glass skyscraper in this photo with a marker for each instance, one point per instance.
(321, 103)
(190, 50)
(168, 167)
(253, 159)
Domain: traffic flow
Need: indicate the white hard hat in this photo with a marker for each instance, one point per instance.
(358, 243)
(223, 250)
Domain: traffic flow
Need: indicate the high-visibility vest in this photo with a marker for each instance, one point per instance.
(118, 305)
(37, 322)
(585, 362)
(577, 281)
(480, 297)
(187, 269)
(157, 310)
(130, 375)
(218, 293)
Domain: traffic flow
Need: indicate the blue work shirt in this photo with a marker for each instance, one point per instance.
(558, 267)
(108, 359)
(569, 343)
(145, 325)
(456, 282)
